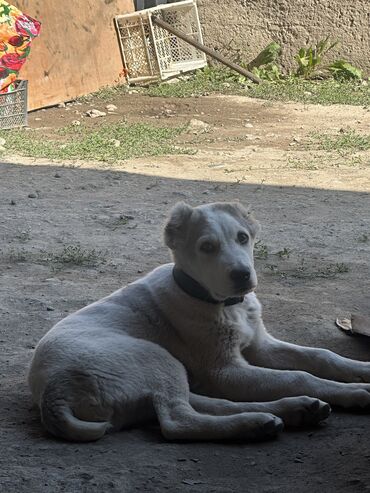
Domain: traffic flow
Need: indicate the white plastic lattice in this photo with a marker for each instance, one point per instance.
(150, 52)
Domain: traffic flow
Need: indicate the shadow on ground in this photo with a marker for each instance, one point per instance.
(69, 236)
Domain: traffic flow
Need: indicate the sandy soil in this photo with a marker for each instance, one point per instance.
(315, 210)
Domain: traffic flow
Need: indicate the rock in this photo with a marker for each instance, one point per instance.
(198, 126)
(57, 175)
(61, 105)
(13, 202)
(95, 113)
(248, 125)
(111, 107)
(49, 309)
(2, 141)
(32, 196)
(307, 93)
(76, 123)
(37, 119)
(115, 142)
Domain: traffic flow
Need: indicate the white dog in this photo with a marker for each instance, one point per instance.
(187, 344)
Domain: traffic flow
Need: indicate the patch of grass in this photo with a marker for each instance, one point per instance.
(260, 250)
(70, 255)
(284, 253)
(23, 235)
(344, 141)
(306, 164)
(364, 238)
(303, 271)
(220, 80)
(136, 140)
(14, 256)
(105, 93)
(77, 255)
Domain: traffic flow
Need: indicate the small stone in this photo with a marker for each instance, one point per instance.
(307, 93)
(115, 142)
(296, 139)
(13, 202)
(49, 309)
(57, 175)
(76, 123)
(111, 107)
(248, 125)
(2, 141)
(95, 113)
(37, 119)
(61, 105)
(32, 196)
(198, 126)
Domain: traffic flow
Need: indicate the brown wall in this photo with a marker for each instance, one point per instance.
(251, 24)
(77, 51)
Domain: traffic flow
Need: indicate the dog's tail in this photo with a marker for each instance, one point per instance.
(58, 419)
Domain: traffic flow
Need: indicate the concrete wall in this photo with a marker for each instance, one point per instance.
(249, 25)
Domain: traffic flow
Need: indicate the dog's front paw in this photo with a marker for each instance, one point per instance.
(303, 411)
(265, 426)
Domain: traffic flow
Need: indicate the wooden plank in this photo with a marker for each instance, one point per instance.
(77, 51)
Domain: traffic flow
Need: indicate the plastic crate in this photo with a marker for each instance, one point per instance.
(150, 52)
(13, 106)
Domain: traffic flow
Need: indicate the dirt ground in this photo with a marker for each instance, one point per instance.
(73, 232)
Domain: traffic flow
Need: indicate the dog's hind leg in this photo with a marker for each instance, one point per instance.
(294, 411)
(180, 421)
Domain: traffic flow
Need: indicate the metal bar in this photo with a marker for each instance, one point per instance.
(205, 49)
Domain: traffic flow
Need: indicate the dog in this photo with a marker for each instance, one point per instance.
(186, 344)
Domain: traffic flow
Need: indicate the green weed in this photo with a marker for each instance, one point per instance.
(76, 255)
(217, 80)
(347, 140)
(260, 250)
(136, 140)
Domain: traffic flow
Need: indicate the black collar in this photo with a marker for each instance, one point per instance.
(193, 288)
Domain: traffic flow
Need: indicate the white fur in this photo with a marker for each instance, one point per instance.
(206, 371)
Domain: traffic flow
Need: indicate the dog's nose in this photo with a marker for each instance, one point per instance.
(240, 275)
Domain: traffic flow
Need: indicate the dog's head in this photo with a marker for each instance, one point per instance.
(213, 244)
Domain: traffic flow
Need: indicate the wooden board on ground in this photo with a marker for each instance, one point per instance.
(77, 51)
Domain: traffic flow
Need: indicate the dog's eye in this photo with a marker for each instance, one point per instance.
(207, 247)
(243, 238)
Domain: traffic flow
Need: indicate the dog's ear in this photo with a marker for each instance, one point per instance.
(176, 226)
(246, 213)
